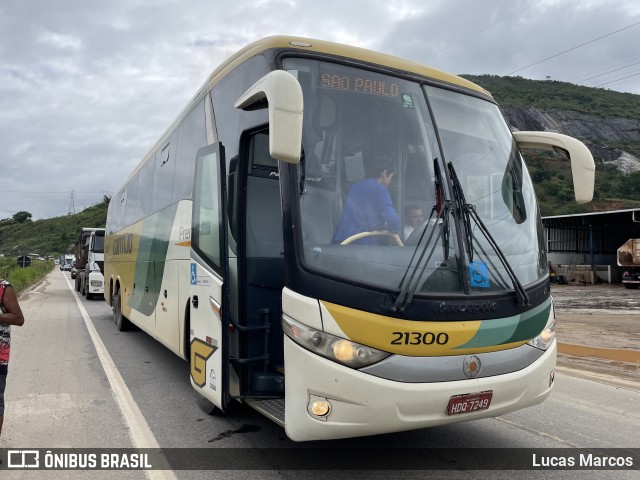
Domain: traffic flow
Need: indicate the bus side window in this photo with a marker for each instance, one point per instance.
(163, 174)
(191, 136)
(206, 209)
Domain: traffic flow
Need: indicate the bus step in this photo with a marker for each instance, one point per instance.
(272, 408)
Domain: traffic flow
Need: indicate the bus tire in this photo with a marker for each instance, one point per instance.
(207, 407)
(122, 324)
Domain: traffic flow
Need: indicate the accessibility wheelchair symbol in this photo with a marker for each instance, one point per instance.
(478, 274)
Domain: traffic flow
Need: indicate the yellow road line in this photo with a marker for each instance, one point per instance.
(628, 356)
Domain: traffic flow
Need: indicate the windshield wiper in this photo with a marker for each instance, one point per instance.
(469, 212)
(409, 283)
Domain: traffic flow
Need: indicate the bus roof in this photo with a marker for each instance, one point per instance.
(317, 46)
(346, 51)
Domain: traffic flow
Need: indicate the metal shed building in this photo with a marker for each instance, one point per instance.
(589, 241)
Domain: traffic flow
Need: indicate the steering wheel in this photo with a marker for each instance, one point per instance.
(375, 233)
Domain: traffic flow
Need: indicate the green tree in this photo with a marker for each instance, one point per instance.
(22, 217)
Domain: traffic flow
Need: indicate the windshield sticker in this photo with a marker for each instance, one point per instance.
(478, 274)
(407, 101)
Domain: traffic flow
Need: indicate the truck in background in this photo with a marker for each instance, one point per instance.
(90, 262)
(66, 261)
(629, 256)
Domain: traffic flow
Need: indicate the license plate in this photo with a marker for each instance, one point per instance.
(471, 402)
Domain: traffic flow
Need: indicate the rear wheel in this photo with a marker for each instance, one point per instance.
(122, 323)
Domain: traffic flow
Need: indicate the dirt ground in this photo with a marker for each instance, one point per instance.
(598, 329)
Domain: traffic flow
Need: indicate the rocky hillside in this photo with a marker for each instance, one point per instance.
(607, 122)
(601, 134)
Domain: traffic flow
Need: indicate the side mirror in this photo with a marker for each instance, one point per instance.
(283, 94)
(583, 168)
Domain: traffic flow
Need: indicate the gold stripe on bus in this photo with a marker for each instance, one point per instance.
(186, 243)
(410, 337)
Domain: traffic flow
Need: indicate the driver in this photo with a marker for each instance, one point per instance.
(369, 207)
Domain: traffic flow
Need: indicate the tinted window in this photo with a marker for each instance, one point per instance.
(144, 188)
(115, 222)
(264, 210)
(163, 174)
(131, 207)
(230, 121)
(206, 207)
(191, 136)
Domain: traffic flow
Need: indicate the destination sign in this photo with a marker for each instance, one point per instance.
(359, 84)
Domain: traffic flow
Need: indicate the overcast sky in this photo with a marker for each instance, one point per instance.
(87, 87)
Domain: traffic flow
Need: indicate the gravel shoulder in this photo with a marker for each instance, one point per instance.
(606, 320)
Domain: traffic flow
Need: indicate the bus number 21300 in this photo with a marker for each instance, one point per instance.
(419, 338)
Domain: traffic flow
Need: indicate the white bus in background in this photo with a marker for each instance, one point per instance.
(219, 245)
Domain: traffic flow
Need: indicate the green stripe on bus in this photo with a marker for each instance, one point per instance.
(150, 259)
(518, 328)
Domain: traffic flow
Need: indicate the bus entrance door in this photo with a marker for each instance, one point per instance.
(208, 340)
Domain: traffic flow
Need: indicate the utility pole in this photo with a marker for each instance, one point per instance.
(72, 206)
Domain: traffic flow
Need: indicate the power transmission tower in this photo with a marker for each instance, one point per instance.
(72, 205)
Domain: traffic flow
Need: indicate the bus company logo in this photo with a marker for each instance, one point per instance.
(471, 366)
(465, 307)
(123, 244)
(200, 353)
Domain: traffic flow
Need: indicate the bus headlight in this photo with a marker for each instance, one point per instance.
(544, 340)
(334, 348)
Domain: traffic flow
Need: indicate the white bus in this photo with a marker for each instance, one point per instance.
(220, 245)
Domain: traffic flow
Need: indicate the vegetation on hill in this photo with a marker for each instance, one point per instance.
(553, 183)
(54, 236)
(551, 175)
(551, 94)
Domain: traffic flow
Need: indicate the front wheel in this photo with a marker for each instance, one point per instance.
(122, 323)
(631, 286)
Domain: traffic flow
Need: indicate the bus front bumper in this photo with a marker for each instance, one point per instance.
(362, 404)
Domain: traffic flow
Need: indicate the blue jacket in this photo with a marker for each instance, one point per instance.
(368, 207)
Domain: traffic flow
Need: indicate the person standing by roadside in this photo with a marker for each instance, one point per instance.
(11, 315)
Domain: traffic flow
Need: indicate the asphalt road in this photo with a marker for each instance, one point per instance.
(75, 387)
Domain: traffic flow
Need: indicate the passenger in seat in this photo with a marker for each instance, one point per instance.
(413, 217)
(369, 207)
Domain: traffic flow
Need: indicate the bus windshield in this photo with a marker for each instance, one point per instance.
(354, 121)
